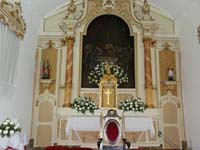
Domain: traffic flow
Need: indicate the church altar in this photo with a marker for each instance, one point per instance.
(92, 123)
(132, 34)
(76, 124)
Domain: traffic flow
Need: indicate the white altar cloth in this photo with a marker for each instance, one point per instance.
(17, 141)
(78, 123)
(83, 124)
(139, 124)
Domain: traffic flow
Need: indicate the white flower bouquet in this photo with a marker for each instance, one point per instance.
(100, 69)
(9, 127)
(132, 104)
(83, 104)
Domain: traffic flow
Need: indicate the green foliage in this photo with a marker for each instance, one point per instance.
(9, 127)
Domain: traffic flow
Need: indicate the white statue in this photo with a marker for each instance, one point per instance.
(170, 74)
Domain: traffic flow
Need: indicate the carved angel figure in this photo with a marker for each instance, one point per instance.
(146, 8)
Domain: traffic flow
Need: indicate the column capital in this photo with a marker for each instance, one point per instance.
(147, 38)
(68, 39)
(151, 41)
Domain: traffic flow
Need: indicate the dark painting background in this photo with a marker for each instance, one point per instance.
(108, 39)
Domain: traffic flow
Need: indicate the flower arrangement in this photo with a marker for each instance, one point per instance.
(100, 69)
(9, 127)
(83, 104)
(132, 104)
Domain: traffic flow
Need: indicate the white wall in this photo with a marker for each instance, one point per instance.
(189, 21)
(19, 103)
(185, 12)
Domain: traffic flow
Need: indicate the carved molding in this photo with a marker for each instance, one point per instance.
(46, 96)
(11, 15)
(140, 15)
(44, 43)
(108, 5)
(115, 7)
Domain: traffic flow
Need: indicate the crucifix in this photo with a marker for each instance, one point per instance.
(108, 92)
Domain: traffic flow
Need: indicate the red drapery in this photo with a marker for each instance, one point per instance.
(112, 131)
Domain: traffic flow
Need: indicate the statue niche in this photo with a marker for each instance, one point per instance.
(108, 89)
(108, 39)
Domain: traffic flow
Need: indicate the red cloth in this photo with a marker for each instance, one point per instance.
(66, 148)
(10, 148)
(112, 131)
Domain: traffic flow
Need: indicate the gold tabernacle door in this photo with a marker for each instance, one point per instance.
(108, 89)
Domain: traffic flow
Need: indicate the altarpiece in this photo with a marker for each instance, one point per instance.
(152, 47)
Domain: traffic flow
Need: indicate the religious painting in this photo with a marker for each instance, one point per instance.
(108, 39)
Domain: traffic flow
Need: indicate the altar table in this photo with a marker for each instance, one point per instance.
(93, 124)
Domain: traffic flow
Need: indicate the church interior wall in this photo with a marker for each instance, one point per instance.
(162, 43)
(187, 24)
(19, 103)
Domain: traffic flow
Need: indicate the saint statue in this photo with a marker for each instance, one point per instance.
(170, 74)
(46, 69)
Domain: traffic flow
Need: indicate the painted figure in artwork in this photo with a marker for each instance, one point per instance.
(46, 69)
(170, 74)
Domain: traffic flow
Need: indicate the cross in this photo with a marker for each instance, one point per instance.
(108, 96)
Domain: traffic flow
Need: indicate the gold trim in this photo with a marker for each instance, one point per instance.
(105, 13)
(134, 34)
(122, 10)
(11, 15)
(34, 91)
(111, 80)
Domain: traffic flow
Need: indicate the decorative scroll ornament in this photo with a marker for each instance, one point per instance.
(146, 11)
(146, 8)
(11, 15)
(69, 23)
(148, 23)
(71, 10)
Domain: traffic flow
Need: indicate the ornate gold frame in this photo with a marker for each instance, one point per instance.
(111, 80)
(11, 15)
(132, 33)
